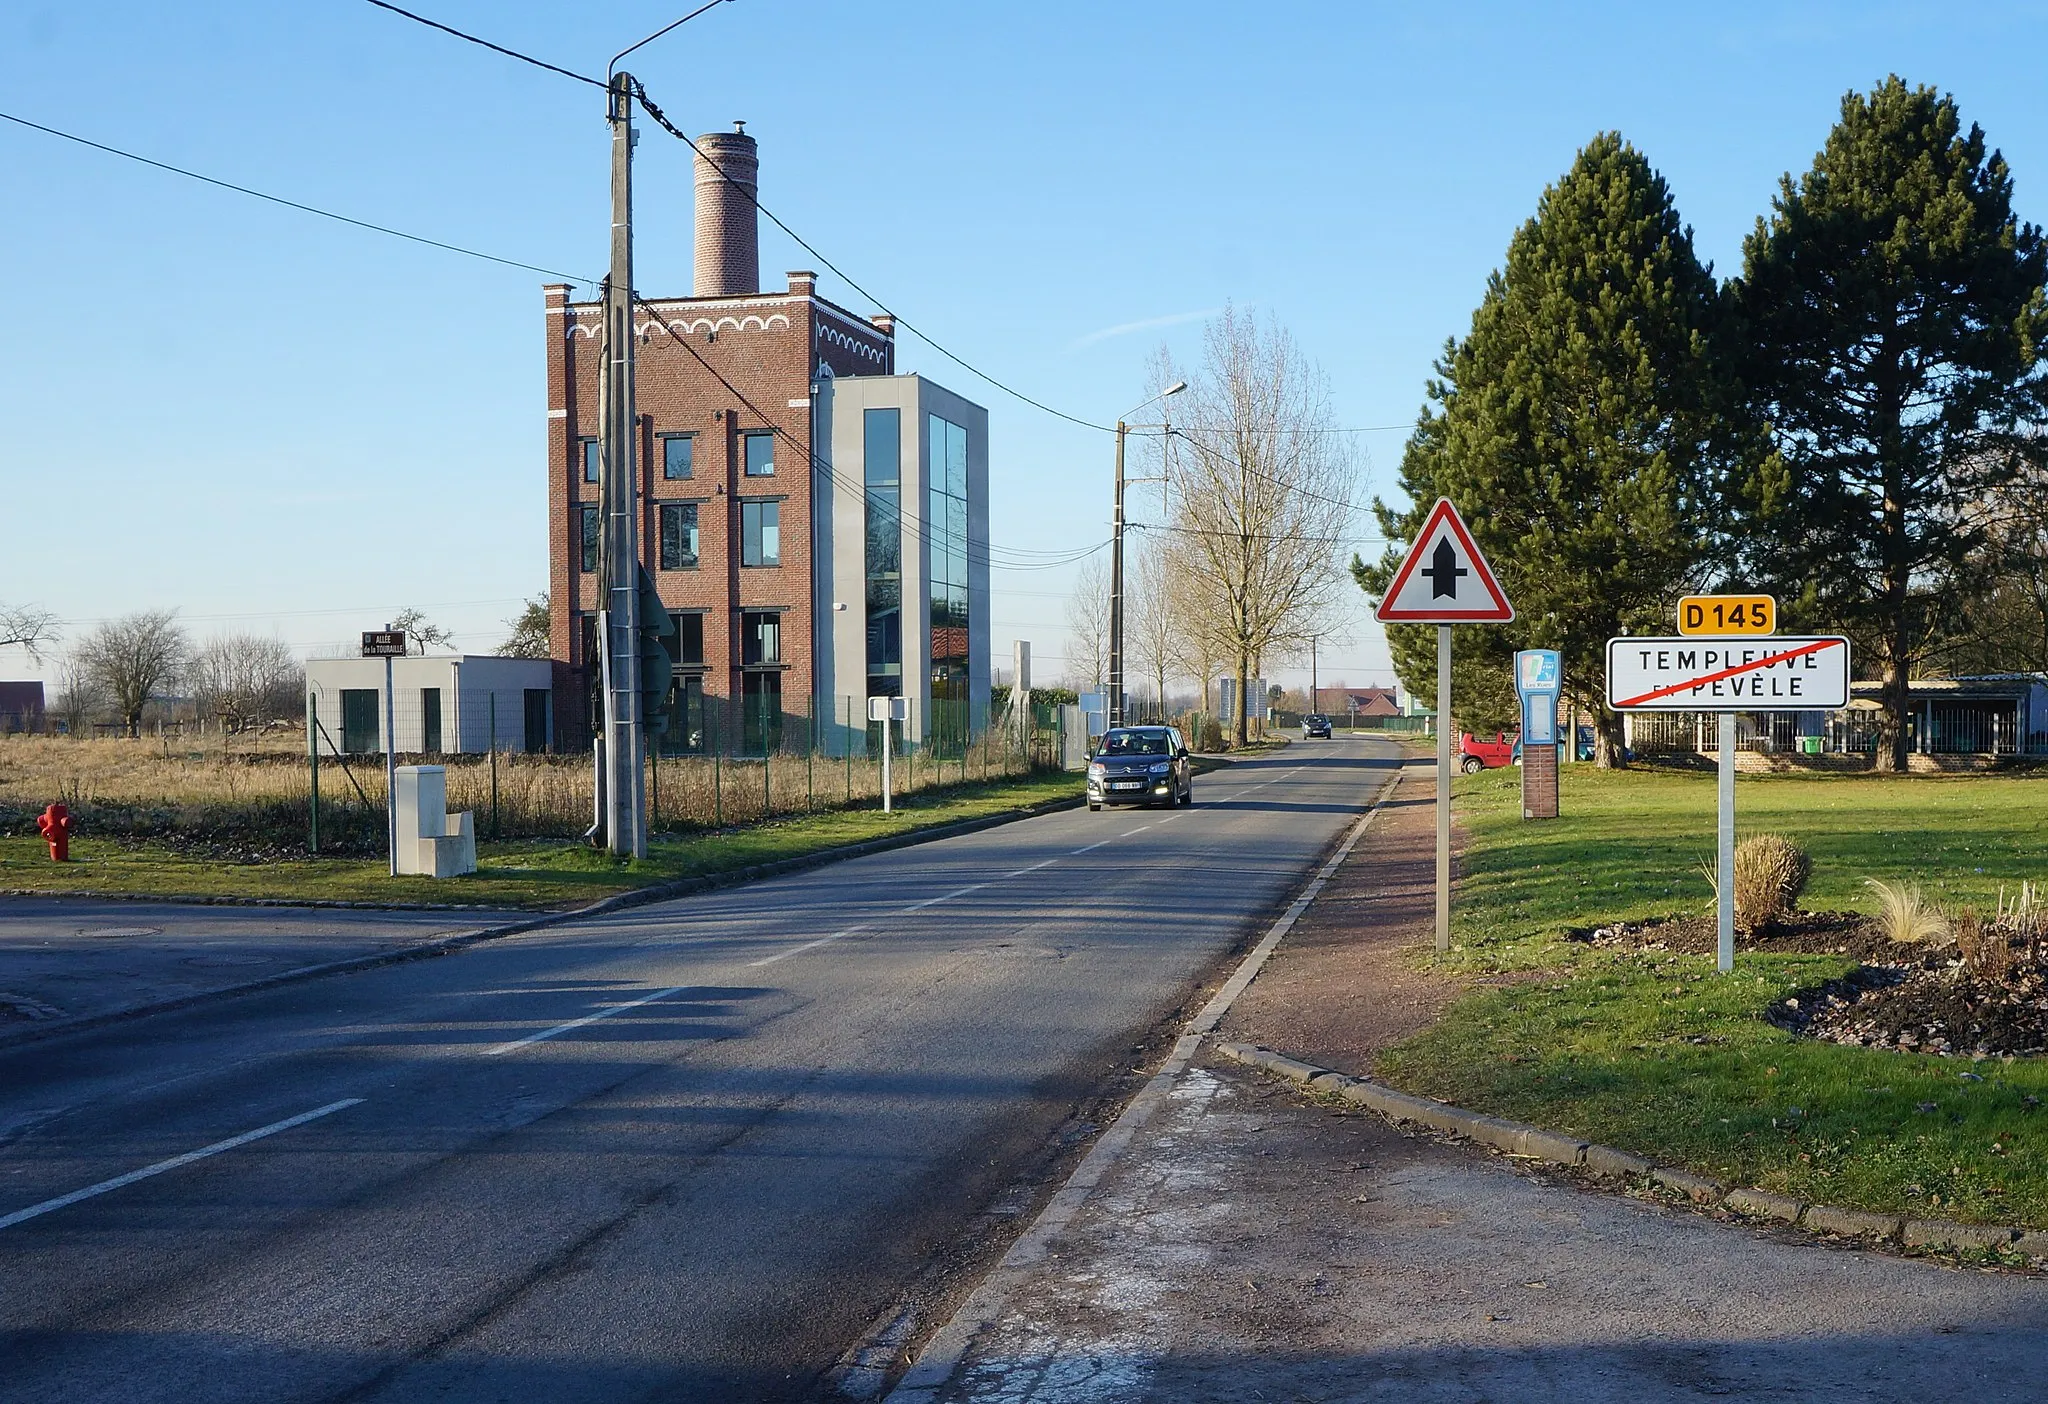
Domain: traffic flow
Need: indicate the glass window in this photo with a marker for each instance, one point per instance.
(689, 638)
(590, 460)
(760, 638)
(882, 447)
(760, 455)
(761, 711)
(676, 453)
(946, 516)
(760, 533)
(678, 535)
(589, 538)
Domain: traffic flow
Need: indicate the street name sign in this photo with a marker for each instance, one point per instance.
(1724, 674)
(1728, 614)
(1444, 579)
(383, 643)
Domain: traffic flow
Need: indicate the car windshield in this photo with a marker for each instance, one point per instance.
(1134, 743)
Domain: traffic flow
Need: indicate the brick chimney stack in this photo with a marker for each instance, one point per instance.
(728, 227)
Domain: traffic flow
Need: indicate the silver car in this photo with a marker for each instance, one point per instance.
(1140, 765)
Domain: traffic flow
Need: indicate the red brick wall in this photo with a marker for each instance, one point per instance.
(752, 357)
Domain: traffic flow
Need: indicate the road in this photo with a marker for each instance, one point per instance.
(686, 1151)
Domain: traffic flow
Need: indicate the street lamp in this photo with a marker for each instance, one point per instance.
(1116, 563)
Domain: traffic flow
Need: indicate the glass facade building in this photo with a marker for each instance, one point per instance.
(882, 481)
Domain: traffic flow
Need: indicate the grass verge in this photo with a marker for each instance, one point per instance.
(529, 873)
(1659, 1054)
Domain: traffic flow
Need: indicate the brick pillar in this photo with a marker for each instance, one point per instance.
(1539, 782)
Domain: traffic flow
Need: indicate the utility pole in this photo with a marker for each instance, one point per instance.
(1315, 693)
(625, 807)
(1116, 590)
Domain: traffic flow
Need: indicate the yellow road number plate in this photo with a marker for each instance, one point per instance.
(1727, 614)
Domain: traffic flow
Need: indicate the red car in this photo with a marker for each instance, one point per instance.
(1477, 753)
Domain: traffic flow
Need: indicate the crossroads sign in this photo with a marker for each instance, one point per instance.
(1728, 674)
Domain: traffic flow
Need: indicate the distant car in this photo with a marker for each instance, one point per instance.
(1477, 753)
(1140, 765)
(1315, 724)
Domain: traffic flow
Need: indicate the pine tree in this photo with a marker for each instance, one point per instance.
(1895, 312)
(1580, 429)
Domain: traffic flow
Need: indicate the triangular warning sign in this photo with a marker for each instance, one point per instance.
(1444, 580)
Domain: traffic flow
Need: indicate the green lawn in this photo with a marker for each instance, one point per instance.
(531, 873)
(1661, 1055)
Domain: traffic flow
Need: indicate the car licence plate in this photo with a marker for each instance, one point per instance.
(1127, 784)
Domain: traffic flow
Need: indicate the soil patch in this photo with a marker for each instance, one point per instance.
(1803, 933)
(1341, 987)
(1934, 1005)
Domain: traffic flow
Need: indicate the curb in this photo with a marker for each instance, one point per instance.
(1534, 1143)
(943, 1352)
(449, 945)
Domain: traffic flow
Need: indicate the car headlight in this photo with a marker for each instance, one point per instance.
(1161, 767)
(1095, 770)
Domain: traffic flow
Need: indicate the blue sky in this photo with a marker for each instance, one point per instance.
(277, 423)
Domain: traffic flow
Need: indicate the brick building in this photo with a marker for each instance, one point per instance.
(817, 523)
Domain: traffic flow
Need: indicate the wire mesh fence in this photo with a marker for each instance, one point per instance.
(727, 765)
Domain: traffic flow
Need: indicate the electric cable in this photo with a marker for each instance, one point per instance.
(494, 48)
(290, 204)
(1019, 559)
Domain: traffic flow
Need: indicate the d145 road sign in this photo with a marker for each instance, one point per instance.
(1724, 674)
(1728, 614)
(1444, 580)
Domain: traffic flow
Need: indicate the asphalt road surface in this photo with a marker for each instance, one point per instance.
(689, 1151)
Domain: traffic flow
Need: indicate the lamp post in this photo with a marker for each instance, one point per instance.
(1116, 564)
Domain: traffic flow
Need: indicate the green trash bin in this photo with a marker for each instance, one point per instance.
(1809, 745)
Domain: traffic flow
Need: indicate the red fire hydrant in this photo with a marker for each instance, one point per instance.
(55, 822)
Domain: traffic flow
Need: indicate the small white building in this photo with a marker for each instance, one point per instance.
(442, 705)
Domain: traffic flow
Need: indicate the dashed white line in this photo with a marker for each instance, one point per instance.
(120, 1181)
(604, 1013)
(797, 950)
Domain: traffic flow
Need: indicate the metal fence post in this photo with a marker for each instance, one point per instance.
(313, 763)
(494, 761)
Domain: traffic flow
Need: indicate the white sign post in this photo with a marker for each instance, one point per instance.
(1713, 673)
(885, 710)
(1444, 581)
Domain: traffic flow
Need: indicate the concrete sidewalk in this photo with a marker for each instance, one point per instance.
(69, 958)
(1251, 1245)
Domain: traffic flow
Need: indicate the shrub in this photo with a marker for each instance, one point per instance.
(1904, 915)
(1770, 873)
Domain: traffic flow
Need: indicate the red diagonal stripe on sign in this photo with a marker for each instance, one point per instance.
(1814, 647)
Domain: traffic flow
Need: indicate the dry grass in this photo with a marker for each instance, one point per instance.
(257, 793)
(1770, 873)
(1904, 915)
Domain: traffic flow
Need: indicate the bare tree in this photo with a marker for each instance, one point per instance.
(131, 659)
(28, 628)
(531, 629)
(75, 700)
(421, 633)
(1151, 631)
(1259, 492)
(245, 679)
(1088, 627)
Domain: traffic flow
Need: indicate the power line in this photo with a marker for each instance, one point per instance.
(494, 48)
(661, 119)
(290, 204)
(819, 463)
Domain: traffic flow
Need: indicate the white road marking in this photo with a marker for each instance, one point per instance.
(121, 1181)
(604, 1013)
(806, 946)
(934, 901)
